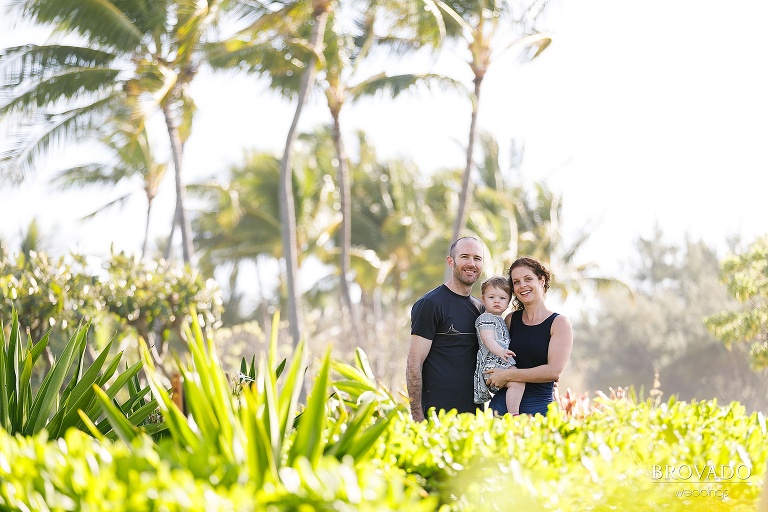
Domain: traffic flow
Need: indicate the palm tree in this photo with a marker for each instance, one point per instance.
(284, 42)
(488, 28)
(395, 223)
(132, 157)
(110, 54)
(345, 52)
(242, 219)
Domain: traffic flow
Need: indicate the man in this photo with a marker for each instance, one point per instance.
(442, 356)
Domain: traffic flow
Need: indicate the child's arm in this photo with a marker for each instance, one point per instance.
(489, 340)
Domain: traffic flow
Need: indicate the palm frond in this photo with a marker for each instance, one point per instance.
(283, 20)
(99, 21)
(531, 45)
(399, 46)
(394, 85)
(282, 66)
(85, 175)
(118, 202)
(35, 62)
(420, 20)
(22, 155)
(62, 87)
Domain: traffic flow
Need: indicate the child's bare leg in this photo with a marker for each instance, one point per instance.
(514, 397)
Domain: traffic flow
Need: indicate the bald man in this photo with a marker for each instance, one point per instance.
(443, 350)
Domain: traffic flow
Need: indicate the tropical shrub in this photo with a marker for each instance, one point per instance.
(619, 457)
(353, 446)
(28, 410)
(153, 298)
(318, 456)
(746, 276)
(47, 291)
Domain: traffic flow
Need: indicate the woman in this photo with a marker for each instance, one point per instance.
(540, 338)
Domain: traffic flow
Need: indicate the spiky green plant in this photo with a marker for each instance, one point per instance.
(261, 430)
(25, 410)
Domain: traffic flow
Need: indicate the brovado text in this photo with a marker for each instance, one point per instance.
(699, 472)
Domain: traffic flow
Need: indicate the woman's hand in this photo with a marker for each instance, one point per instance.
(499, 377)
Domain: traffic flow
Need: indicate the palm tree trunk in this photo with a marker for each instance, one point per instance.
(146, 231)
(187, 249)
(169, 245)
(345, 237)
(466, 184)
(287, 205)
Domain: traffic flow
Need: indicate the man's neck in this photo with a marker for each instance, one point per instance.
(459, 288)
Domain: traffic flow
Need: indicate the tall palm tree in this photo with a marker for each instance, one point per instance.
(499, 200)
(346, 51)
(132, 157)
(320, 10)
(110, 53)
(283, 41)
(488, 28)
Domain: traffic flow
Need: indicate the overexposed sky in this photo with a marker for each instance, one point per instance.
(640, 112)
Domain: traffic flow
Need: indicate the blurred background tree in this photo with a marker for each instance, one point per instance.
(746, 277)
(659, 331)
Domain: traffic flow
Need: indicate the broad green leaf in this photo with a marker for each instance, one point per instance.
(120, 425)
(309, 432)
(48, 394)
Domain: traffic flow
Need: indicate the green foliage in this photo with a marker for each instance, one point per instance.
(256, 430)
(46, 291)
(145, 296)
(254, 439)
(659, 331)
(604, 461)
(353, 445)
(28, 411)
(746, 276)
(153, 298)
(615, 458)
(80, 473)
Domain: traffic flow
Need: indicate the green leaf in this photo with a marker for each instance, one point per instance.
(39, 347)
(48, 394)
(81, 396)
(178, 427)
(120, 425)
(4, 403)
(309, 432)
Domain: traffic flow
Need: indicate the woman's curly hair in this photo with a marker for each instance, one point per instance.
(538, 269)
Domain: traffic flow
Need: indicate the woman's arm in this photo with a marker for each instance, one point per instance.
(560, 345)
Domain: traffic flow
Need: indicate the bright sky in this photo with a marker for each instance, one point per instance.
(640, 112)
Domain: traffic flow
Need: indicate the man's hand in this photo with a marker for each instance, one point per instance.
(417, 353)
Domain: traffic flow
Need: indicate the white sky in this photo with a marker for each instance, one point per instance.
(640, 112)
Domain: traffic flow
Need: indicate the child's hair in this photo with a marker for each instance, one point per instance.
(502, 283)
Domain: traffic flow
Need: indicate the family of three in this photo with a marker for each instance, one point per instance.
(463, 353)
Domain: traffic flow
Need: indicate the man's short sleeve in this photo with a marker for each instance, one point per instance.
(425, 318)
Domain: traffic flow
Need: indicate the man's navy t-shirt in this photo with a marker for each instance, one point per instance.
(448, 319)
